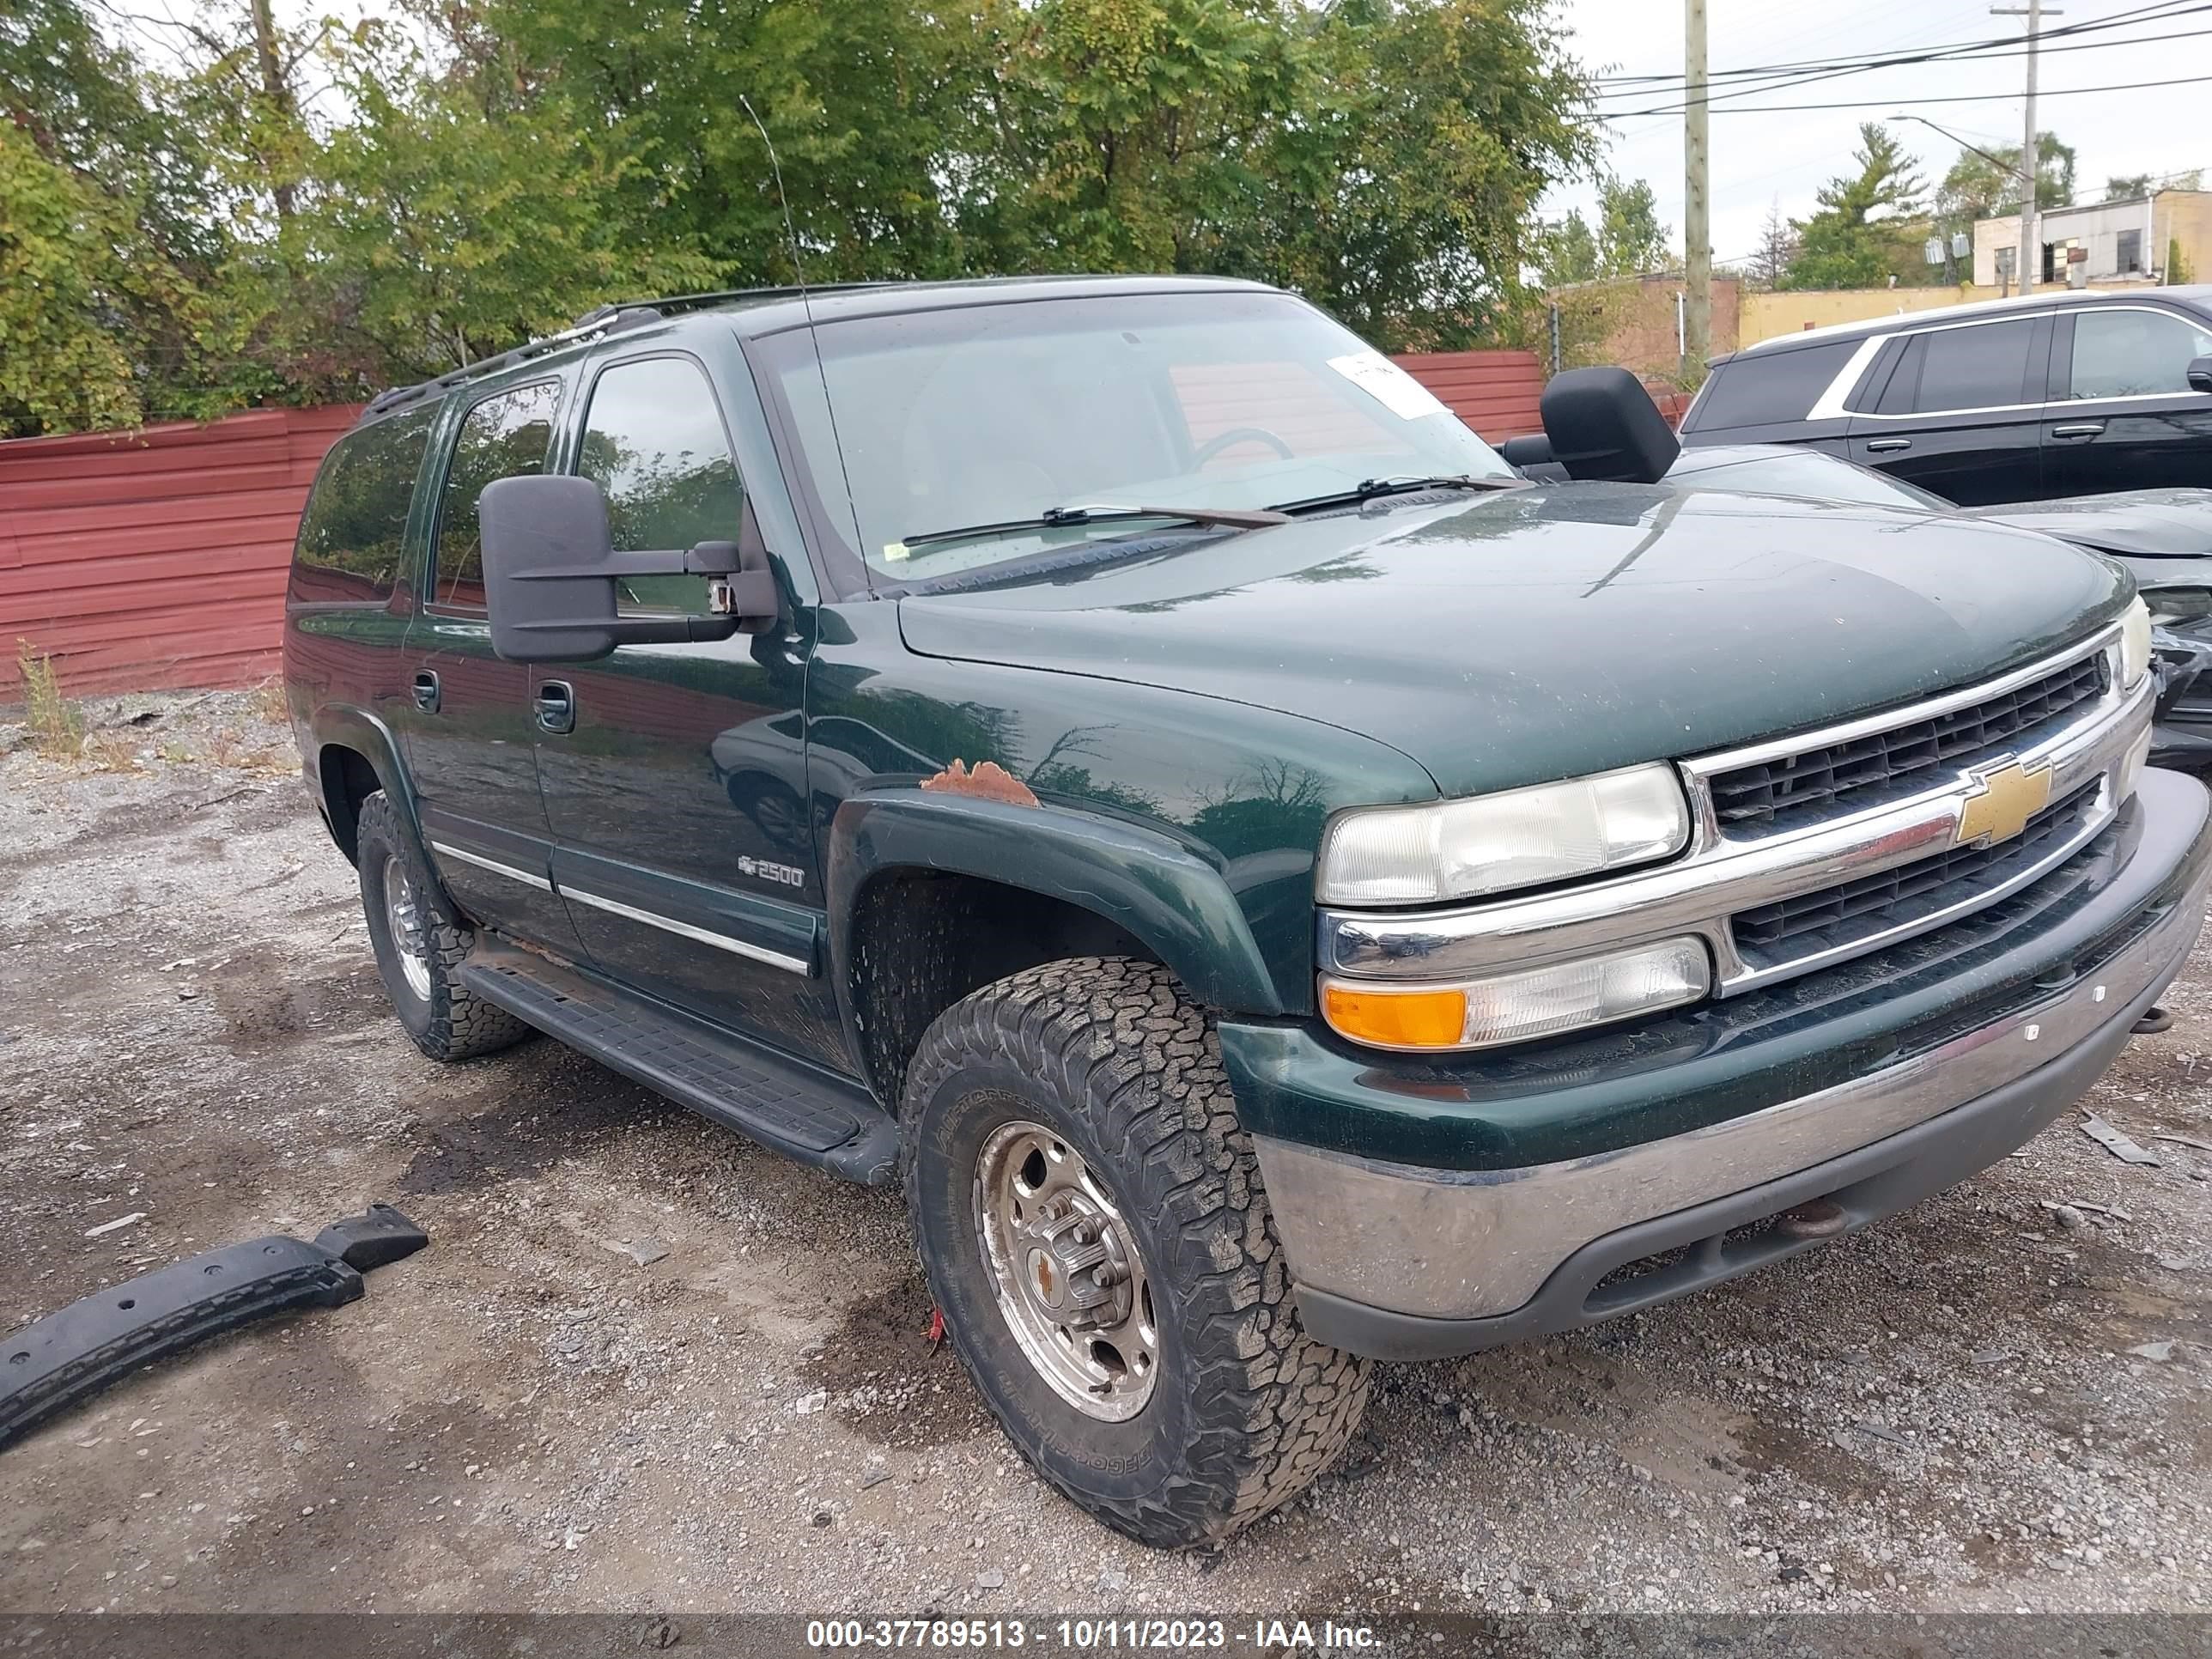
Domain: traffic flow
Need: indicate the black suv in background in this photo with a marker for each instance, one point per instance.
(2069, 394)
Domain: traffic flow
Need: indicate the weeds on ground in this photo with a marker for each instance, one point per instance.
(56, 731)
(229, 749)
(110, 751)
(269, 703)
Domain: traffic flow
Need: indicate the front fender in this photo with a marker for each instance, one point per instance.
(1153, 887)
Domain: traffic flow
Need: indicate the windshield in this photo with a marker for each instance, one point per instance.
(993, 416)
(1810, 473)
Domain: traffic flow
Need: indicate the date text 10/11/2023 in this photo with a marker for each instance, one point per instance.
(1263, 1635)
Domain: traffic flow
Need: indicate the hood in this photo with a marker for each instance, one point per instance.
(2148, 524)
(1555, 629)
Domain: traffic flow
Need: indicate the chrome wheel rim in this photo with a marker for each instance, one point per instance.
(410, 940)
(1065, 1269)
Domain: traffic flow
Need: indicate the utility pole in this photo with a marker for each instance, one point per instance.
(2031, 249)
(1697, 207)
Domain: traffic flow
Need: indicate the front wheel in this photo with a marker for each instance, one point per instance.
(1090, 1218)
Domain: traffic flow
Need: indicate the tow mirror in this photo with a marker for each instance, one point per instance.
(1530, 455)
(551, 570)
(2200, 374)
(1603, 425)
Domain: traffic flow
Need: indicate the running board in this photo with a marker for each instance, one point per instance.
(787, 1105)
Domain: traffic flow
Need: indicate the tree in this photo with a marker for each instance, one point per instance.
(108, 231)
(1981, 186)
(2125, 186)
(211, 235)
(1854, 241)
(1777, 246)
(1629, 239)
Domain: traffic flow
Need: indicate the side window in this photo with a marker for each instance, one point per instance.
(1771, 388)
(2131, 354)
(653, 442)
(352, 532)
(505, 435)
(1981, 366)
(1901, 395)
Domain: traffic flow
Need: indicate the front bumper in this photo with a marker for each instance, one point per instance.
(1408, 1260)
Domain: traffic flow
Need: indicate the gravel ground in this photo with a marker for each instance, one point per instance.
(1989, 1403)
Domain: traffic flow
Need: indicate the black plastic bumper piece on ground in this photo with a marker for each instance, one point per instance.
(795, 1108)
(54, 1363)
(1877, 1181)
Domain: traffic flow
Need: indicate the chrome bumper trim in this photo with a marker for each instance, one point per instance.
(1461, 1244)
(1723, 874)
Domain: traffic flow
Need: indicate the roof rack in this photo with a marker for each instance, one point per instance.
(609, 319)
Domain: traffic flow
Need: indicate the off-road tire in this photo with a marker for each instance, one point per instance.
(452, 1022)
(1246, 1410)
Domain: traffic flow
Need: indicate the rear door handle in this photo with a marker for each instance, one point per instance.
(556, 707)
(1883, 446)
(426, 692)
(2086, 429)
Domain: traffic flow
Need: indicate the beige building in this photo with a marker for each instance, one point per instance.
(2104, 244)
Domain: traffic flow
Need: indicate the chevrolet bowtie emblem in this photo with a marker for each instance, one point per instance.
(2006, 798)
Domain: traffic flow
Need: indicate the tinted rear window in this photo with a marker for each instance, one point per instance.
(1766, 388)
(1985, 367)
(353, 533)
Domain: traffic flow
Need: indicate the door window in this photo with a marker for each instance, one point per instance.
(2127, 353)
(1979, 368)
(505, 436)
(653, 442)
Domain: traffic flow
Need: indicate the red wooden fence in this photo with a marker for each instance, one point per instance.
(157, 557)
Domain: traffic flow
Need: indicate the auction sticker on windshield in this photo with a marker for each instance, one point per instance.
(1389, 384)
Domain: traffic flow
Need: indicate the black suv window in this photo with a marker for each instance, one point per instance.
(354, 531)
(653, 442)
(1768, 388)
(504, 436)
(2128, 353)
(1983, 366)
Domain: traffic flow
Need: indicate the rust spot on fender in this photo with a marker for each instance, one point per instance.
(988, 780)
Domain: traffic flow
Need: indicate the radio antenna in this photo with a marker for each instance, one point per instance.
(806, 304)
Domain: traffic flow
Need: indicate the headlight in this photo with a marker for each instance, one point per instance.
(1516, 1007)
(1493, 843)
(2135, 645)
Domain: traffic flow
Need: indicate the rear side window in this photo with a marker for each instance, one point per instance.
(1770, 388)
(1985, 367)
(353, 533)
(505, 435)
(653, 442)
(2134, 353)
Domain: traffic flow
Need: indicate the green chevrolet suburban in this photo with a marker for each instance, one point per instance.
(1280, 889)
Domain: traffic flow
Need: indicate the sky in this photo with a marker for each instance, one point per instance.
(1760, 159)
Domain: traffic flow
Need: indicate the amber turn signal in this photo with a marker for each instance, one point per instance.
(1396, 1019)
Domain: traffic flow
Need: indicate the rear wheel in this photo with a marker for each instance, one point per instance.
(420, 945)
(1090, 1215)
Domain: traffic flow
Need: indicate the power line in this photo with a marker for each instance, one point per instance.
(2017, 50)
(2166, 10)
(1962, 98)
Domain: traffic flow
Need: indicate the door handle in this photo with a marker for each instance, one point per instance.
(2087, 429)
(426, 692)
(1883, 446)
(556, 707)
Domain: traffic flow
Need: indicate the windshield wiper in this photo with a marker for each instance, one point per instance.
(1058, 518)
(1372, 489)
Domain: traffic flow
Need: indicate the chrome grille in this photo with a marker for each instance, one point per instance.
(1891, 901)
(1861, 771)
